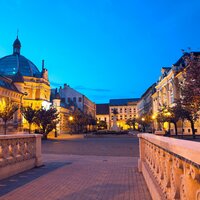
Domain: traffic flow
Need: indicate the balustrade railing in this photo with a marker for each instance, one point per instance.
(18, 153)
(171, 167)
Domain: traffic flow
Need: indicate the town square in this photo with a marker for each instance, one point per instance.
(99, 100)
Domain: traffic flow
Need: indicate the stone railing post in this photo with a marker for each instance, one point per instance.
(141, 151)
(38, 161)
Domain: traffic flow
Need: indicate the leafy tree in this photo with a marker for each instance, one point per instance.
(46, 120)
(79, 121)
(7, 109)
(145, 121)
(102, 125)
(190, 90)
(90, 121)
(177, 113)
(29, 114)
(164, 116)
(131, 123)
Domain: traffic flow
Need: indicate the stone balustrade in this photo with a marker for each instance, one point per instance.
(19, 153)
(171, 167)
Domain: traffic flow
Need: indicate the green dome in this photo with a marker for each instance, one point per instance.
(10, 65)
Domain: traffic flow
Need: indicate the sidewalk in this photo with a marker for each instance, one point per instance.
(65, 136)
(67, 177)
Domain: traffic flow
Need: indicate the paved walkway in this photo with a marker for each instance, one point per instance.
(73, 177)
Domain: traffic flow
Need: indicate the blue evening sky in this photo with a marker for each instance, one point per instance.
(103, 48)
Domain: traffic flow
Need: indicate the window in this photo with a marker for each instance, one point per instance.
(121, 117)
(125, 116)
(188, 130)
(74, 99)
(105, 119)
(79, 99)
(120, 110)
(69, 99)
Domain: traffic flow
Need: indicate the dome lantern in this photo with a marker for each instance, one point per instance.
(16, 46)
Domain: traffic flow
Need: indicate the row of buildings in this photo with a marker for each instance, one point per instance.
(162, 93)
(23, 83)
(126, 109)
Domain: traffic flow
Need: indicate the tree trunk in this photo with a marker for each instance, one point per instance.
(29, 128)
(175, 127)
(169, 132)
(182, 127)
(193, 129)
(5, 127)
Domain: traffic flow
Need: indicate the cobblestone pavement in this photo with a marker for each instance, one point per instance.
(80, 177)
(85, 178)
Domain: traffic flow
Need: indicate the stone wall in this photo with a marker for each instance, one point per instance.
(171, 167)
(19, 153)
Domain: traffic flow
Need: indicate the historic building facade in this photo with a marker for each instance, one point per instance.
(126, 109)
(145, 104)
(73, 98)
(22, 81)
(167, 91)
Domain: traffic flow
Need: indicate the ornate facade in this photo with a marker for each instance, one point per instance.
(23, 83)
(167, 91)
(126, 108)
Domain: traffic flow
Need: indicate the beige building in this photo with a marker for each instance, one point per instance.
(73, 98)
(167, 91)
(64, 114)
(22, 81)
(126, 108)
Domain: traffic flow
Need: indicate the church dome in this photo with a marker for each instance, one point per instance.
(11, 64)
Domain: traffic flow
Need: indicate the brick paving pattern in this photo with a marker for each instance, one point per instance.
(81, 169)
(85, 178)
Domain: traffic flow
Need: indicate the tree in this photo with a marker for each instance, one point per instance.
(7, 110)
(79, 121)
(177, 113)
(145, 121)
(190, 90)
(90, 121)
(131, 123)
(102, 124)
(46, 120)
(164, 116)
(29, 114)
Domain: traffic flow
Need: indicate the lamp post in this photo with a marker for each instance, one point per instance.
(71, 118)
(143, 120)
(23, 94)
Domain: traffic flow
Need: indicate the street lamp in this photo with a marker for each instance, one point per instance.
(71, 118)
(143, 119)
